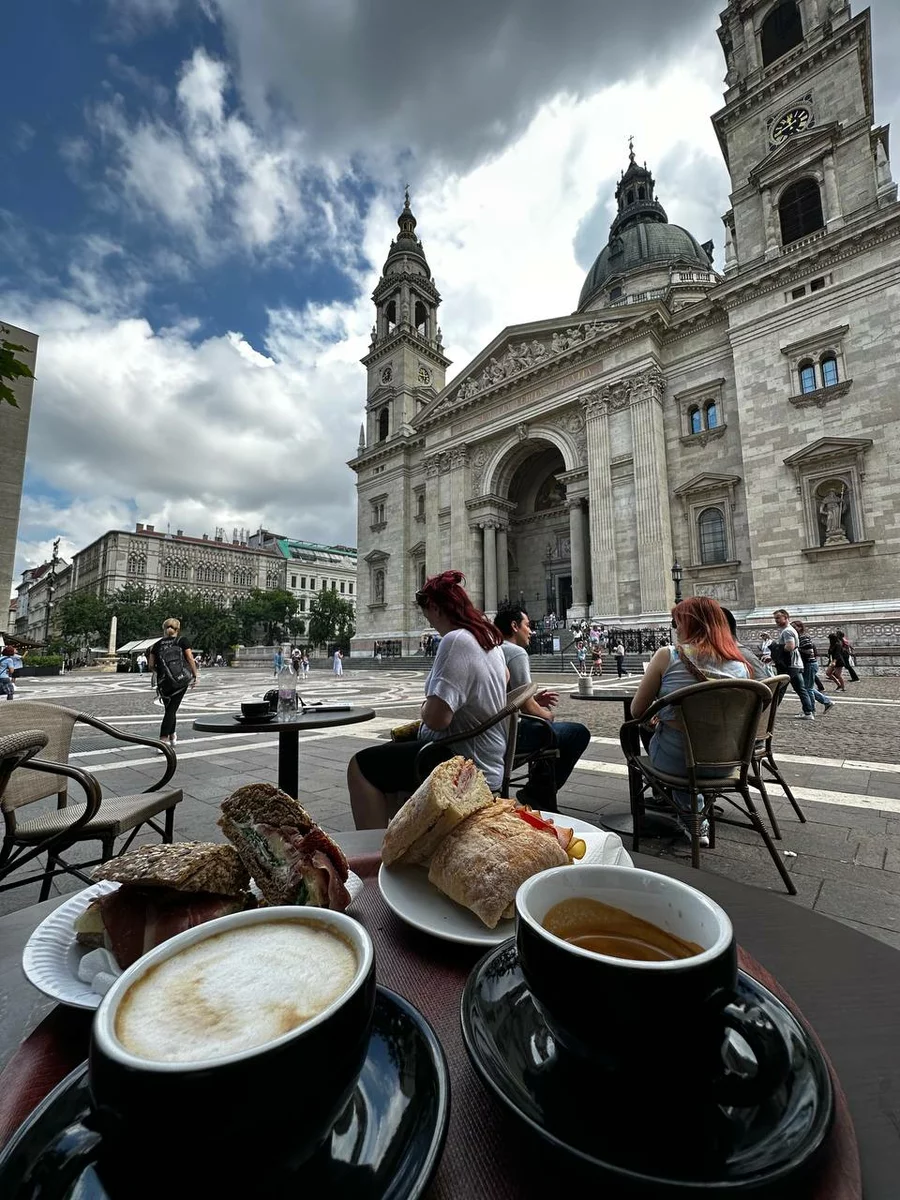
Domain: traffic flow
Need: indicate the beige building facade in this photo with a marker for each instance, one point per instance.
(14, 440)
(745, 424)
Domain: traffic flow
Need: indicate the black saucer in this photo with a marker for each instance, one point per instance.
(644, 1143)
(386, 1145)
(245, 720)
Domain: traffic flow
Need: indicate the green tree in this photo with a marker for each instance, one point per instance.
(266, 615)
(11, 367)
(331, 620)
(83, 619)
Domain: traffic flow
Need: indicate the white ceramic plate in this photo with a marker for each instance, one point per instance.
(51, 956)
(413, 899)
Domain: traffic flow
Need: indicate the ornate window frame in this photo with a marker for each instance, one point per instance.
(377, 506)
(418, 493)
(813, 351)
(698, 399)
(703, 491)
(377, 561)
(841, 460)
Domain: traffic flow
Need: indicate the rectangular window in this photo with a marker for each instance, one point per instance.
(798, 293)
(303, 583)
(303, 604)
(333, 586)
(816, 285)
(312, 583)
(351, 589)
(343, 585)
(293, 581)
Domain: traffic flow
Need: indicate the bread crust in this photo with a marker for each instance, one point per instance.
(434, 809)
(482, 863)
(265, 803)
(213, 867)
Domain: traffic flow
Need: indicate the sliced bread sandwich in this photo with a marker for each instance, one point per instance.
(453, 791)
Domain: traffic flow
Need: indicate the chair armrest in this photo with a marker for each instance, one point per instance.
(138, 740)
(92, 792)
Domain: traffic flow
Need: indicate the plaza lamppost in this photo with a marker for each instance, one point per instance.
(677, 576)
(51, 588)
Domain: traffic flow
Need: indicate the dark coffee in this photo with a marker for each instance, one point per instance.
(604, 929)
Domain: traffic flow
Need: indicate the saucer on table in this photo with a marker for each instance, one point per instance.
(386, 1144)
(579, 1112)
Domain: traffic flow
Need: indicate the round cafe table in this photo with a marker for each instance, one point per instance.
(844, 983)
(288, 731)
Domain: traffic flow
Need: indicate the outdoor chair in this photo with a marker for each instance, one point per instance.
(433, 753)
(536, 768)
(53, 832)
(719, 725)
(763, 757)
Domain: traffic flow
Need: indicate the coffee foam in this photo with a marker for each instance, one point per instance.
(233, 991)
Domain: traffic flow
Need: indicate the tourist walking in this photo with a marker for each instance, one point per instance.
(304, 664)
(810, 657)
(277, 661)
(848, 656)
(141, 663)
(338, 663)
(619, 656)
(10, 662)
(785, 650)
(172, 660)
(836, 661)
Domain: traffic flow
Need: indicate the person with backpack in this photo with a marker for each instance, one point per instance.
(172, 660)
(10, 662)
(810, 656)
(848, 656)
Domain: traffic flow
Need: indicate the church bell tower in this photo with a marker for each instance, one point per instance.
(405, 363)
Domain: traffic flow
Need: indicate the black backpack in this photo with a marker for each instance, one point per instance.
(171, 665)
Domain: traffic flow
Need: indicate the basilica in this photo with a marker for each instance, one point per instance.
(744, 425)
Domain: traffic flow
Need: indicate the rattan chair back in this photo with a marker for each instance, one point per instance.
(57, 724)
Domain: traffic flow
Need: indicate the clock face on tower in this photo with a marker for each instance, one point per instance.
(387, 375)
(424, 375)
(795, 120)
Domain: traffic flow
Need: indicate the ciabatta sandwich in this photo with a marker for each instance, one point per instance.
(452, 792)
(484, 860)
(291, 859)
(165, 889)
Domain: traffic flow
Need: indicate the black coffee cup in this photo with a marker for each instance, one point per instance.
(169, 1128)
(667, 1021)
(255, 708)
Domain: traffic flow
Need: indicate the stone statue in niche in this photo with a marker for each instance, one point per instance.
(551, 494)
(832, 508)
(379, 587)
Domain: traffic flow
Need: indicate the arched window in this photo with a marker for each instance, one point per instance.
(696, 421)
(630, 197)
(642, 193)
(800, 209)
(615, 293)
(807, 378)
(420, 505)
(711, 527)
(390, 314)
(384, 420)
(781, 31)
(421, 317)
(712, 415)
(830, 374)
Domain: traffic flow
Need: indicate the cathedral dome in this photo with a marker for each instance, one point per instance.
(640, 236)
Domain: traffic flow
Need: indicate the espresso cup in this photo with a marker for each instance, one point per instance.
(668, 1020)
(255, 708)
(238, 1114)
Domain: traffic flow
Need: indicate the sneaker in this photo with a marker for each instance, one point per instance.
(808, 716)
(704, 831)
(828, 707)
(174, 738)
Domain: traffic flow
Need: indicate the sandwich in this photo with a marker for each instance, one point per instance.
(291, 859)
(165, 889)
(482, 862)
(452, 792)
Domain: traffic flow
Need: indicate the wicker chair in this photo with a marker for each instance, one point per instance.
(719, 725)
(97, 819)
(764, 758)
(435, 752)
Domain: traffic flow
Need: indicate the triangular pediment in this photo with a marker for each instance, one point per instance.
(522, 350)
(802, 147)
(417, 550)
(826, 447)
(707, 481)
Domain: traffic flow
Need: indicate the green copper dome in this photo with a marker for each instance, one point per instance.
(640, 236)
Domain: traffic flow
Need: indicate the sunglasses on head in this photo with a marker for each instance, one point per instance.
(421, 599)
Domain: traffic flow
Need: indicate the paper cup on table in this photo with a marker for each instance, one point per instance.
(585, 686)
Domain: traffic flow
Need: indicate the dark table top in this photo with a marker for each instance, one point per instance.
(846, 984)
(619, 694)
(310, 719)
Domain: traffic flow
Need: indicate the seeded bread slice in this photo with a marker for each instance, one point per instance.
(185, 866)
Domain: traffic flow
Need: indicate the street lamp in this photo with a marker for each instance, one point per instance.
(677, 576)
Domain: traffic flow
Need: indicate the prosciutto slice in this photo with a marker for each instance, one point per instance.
(137, 919)
(311, 860)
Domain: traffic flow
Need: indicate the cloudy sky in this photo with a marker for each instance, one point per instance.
(197, 197)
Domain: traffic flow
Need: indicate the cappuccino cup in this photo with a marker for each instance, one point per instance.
(230, 1050)
(661, 1020)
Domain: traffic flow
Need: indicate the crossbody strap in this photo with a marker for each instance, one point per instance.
(691, 667)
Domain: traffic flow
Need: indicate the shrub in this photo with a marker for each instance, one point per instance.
(43, 660)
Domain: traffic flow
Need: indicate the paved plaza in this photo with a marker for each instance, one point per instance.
(845, 769)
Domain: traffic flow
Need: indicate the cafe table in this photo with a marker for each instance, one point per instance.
(655, 824)
(288, 728)
(843, 982)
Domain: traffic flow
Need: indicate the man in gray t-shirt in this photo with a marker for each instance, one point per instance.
(571, 738)
(786, 656)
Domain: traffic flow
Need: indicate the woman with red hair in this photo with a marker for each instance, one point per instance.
(465, 687)
(705, 642)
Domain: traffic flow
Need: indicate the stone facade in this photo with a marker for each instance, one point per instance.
(745, 424)
(14, 440)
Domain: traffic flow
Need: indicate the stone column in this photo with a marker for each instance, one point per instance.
(654, 527)
(458, 459)
(502, 564)
(834, 217)
(432, 520)
(490, 567)
(604, 569)
(770, 218)
(576, 543)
